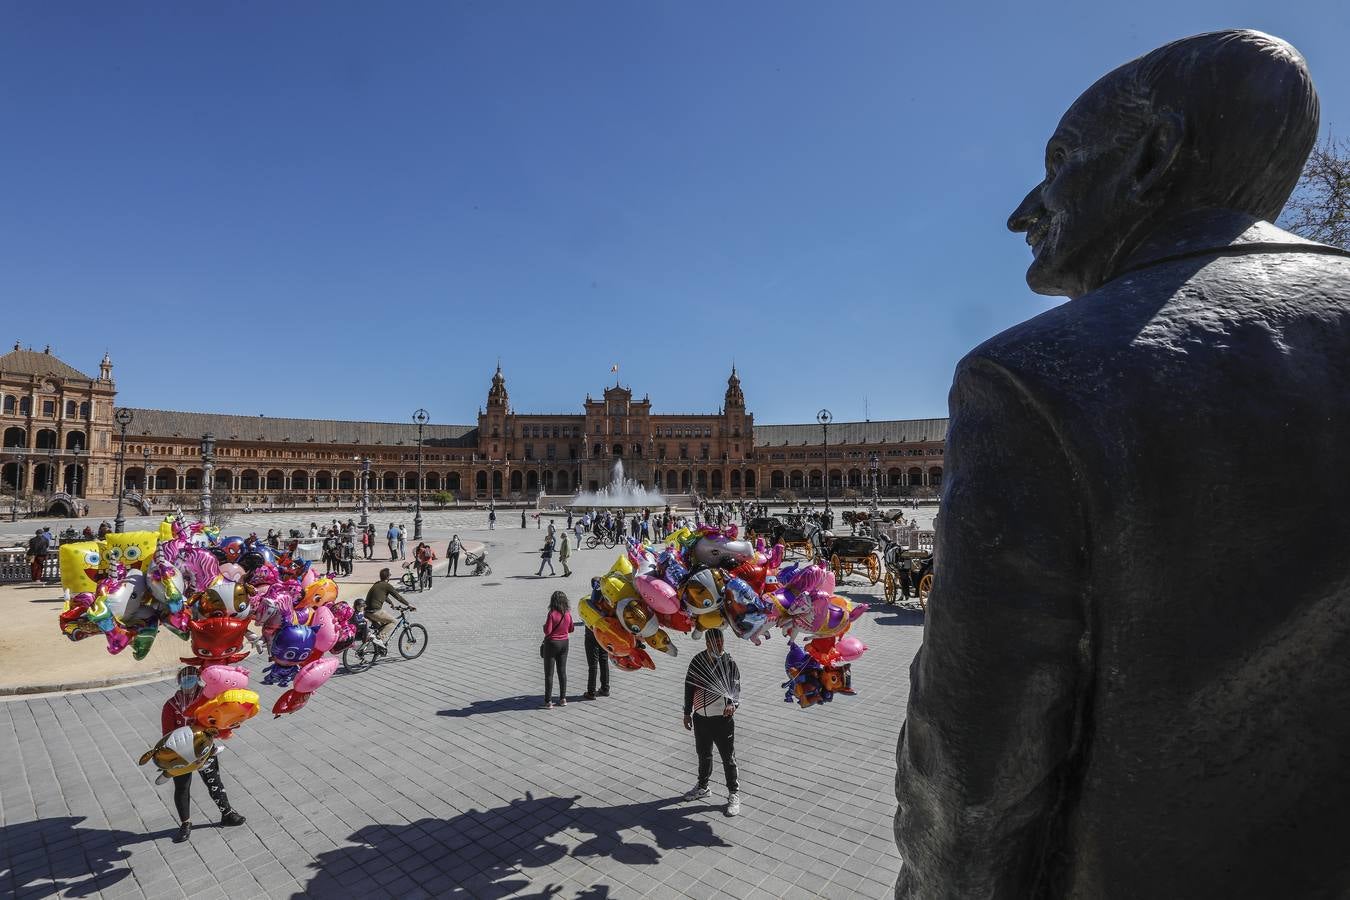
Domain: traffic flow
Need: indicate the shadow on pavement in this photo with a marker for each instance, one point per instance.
(52, 857)
(900, 616)
(502, 704)
(488, 853)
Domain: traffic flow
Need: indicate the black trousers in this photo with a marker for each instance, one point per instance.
(596, 658)
(452, 567)
(721, 731)
(182, 790)
(555, 657)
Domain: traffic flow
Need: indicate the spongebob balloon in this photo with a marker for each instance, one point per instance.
(82, 564)
(133, 549)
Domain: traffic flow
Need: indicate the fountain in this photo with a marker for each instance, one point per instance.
(620, 492)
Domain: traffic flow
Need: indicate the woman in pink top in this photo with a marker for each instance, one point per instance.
(557, 628)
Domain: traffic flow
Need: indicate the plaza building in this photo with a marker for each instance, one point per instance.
(51, 408)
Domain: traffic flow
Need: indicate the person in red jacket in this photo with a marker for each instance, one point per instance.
(175, 715)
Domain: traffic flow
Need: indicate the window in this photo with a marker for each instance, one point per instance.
(49, 407)
(9, 405)
(70, 408)
(529, 451)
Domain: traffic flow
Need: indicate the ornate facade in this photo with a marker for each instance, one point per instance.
(506, 455)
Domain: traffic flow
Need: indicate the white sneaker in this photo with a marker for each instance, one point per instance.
(698, 792)
(380, 644)
(733, 804)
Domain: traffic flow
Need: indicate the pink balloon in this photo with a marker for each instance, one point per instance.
(657, 594)
(232, 571)
(328, 628)
(308, 578)
(850, 648)
(314, 674)
(217, 679)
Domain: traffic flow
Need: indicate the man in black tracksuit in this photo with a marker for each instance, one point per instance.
(712, 691)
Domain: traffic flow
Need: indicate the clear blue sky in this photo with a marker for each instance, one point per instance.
(344, 199)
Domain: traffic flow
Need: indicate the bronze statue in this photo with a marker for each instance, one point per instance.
(1135, 675)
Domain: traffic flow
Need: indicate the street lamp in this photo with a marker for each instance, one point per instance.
(75, 474)
(18, 476)
(51, 463)
(145, 472)
(421, 417)
(365, 490)
(123, 418)
(208, 475)
(825, 417)
(875, 465)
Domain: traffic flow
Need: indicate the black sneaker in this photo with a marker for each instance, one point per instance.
(603, 693)
(183, 831)
(231, 818)
(589, 695)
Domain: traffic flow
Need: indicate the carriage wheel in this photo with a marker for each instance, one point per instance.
(838, 565)
(873, 568)
(925, 588)
(892, 587)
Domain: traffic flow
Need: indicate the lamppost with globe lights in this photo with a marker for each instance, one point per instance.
(145, 471)
(51, 466)
(75, 473)
(208, 477)
(825, 417)
(421, 417)
(365, 491)
(123, 418)
(875, 466)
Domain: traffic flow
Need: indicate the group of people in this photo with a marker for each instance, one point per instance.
(708, 711)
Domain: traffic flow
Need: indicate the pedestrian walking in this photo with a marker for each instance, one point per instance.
(392, 537)
(403, 542)
(366, 541)
(452, 556)
(37, 554)
(522, 518)
(712, 691)
(557, 629)
(546, 558)
(173, 716)
(492, 519)
(565, 552)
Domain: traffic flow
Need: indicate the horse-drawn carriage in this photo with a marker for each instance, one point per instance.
(849, 553)
(767, 527)
(906, 570)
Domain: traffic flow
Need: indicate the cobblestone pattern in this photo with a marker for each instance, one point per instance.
(443, 776)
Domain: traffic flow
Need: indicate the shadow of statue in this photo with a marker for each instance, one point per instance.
(489, 853)
(51, 857)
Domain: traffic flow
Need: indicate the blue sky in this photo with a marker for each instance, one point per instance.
(341, 210)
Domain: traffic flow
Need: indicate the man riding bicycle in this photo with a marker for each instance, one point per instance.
(376, 597)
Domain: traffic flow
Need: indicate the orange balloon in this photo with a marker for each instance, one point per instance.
(617, 640)
(319, 592)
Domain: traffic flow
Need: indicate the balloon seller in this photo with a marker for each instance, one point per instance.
(176, 714)
(712, 691)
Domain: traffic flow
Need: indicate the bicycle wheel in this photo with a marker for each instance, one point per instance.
(409, 582)
(359, 657)
(412, 641)
(592, 542)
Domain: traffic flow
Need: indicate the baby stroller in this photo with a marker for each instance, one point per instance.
(477, 563)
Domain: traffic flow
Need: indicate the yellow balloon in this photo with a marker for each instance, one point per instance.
(81, 566)
(166, 529)
(623, 565)
(616, 586)
(133, 549)
(710, 620)
(589, 614)
(661, 642)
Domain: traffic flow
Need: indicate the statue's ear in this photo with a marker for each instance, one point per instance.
(1155, 153)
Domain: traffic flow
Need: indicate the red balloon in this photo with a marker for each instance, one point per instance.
(627, 663)
(822, 650)
(680, 620)
(289, 702)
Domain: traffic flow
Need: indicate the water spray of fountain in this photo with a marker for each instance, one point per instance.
(621, 491)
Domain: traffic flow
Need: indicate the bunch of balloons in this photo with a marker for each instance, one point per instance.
(208, 590)
(708, 578)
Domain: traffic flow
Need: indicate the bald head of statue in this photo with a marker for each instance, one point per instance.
(1223, 120)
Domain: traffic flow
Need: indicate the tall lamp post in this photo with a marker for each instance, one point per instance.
(875, 466)
(365, 490)
(51, 465)
(75, 475)
(825, 417)
(145, 472)
(18, 477)
(123, 418)
(421, 417)
(208, 475)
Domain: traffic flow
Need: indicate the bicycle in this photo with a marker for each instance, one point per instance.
(607, 540)
(411, 637)
(409, 578)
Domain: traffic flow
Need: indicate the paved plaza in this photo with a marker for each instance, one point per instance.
(443, 776)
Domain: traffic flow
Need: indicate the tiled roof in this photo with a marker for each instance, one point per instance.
(893, 431)
(33, 362)
(166, 424)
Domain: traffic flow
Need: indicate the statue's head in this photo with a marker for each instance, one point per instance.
(1216, 121)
